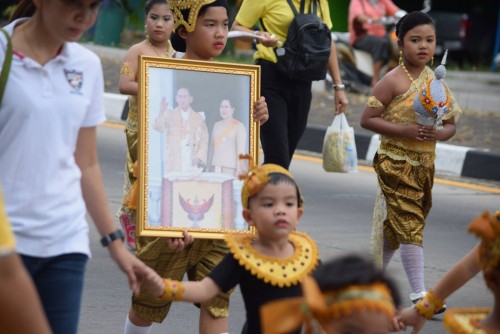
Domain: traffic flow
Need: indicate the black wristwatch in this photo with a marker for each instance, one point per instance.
(108, 239)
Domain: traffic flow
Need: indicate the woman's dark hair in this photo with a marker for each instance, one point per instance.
(25, 8)
(151, 3)
(178, 43)
(353, 270)
(410, 21)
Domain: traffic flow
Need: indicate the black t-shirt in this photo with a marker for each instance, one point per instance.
(255, 292)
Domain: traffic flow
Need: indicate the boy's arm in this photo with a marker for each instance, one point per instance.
(195, 292)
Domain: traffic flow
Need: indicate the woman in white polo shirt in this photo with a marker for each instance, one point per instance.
(48, 157)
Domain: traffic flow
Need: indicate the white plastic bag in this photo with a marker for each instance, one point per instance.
(339, 147)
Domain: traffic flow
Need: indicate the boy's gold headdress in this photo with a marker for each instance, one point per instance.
(324, 306)
(192, 7)
(487, 227)
(258, 177)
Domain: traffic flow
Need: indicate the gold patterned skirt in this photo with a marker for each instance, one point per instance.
(196, 260)
(127, 212)
(406, 179)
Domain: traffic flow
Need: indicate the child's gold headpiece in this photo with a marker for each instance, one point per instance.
(324, 306)
(487, 227)
(192, 7)
(258, 177)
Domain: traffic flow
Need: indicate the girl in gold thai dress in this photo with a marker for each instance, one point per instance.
(159, 26)
(404, 162)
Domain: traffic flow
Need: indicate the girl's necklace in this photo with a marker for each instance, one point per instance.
(37, 58)
(165, 55)
(407, 73)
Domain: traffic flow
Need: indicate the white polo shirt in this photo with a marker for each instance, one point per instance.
(41, 114)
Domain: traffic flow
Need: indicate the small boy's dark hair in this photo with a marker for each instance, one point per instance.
(151, 3)
(410, 21)
(275, 178)
(353, 269)
(178, 43)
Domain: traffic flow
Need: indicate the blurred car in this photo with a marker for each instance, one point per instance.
(451, 31)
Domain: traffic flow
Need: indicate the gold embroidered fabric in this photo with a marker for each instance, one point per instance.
(413, 158)
(276, 271)
(373, 102)
(131, 135)
(407, 192)
(467, 321)
(400, 110)
(377, 238)
(127, 69)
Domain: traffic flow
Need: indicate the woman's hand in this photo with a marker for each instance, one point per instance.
(410, 317)
(260, 112)
(134, 268)
(266, 39)
(341, 101)
(153, 284)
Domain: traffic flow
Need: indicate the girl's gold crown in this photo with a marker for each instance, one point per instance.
(192, 7)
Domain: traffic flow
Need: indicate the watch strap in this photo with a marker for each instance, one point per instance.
(108, 239)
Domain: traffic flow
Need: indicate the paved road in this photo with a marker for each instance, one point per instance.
(338, 210)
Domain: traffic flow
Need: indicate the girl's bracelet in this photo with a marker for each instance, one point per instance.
(428, 305)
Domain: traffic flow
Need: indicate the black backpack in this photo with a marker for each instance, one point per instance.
(304, 55)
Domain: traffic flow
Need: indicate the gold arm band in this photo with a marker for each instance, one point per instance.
(373, 102)
(127, 70)
(174, 290)
(428, 305)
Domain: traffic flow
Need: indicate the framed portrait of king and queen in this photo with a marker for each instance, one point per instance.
(195, 123)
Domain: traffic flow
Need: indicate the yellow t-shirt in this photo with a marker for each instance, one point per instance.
(277, 16)
(7, 242)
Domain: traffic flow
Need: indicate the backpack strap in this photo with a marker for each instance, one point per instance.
(302, 4)
(6, 64)
(314, 5)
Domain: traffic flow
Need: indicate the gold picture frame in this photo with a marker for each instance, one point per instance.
(188, 149)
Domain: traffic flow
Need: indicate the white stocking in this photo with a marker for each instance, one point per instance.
(387, 254)
(130, 328)
(412, 257)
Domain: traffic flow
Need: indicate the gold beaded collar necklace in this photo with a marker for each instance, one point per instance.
(165, 55)
(407, 72)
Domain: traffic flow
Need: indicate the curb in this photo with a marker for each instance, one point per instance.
(451, 160)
